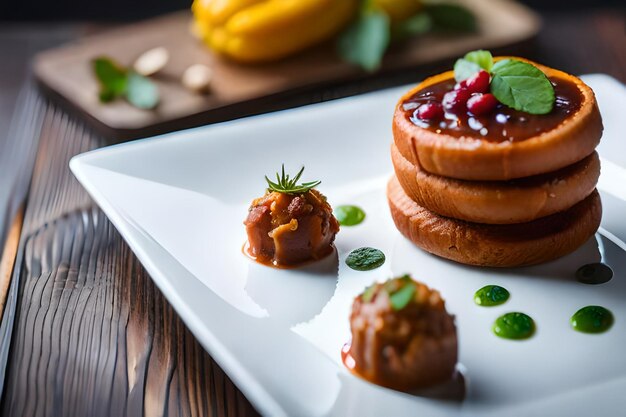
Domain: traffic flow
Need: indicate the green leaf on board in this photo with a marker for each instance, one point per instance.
(365, 41)
(111, 77)
(451, 17)
(142, 92)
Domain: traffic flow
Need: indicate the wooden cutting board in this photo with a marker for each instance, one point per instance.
(66, 71)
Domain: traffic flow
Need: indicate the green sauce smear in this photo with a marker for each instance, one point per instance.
(365, 259)
(491, 295)
(592, 319)
(349, 215)
(594, 274)
(516, 326)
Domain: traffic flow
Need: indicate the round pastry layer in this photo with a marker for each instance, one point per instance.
(472, 158)
(510, 245)
(498, 202)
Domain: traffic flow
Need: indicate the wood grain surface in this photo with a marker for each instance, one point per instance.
(92, 336)
(8, 255)
(67, 70)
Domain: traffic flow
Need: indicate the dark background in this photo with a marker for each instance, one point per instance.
(117, 10)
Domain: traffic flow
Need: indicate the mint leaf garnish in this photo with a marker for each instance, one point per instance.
(522, 86)
(368, 294)
(403, 296)
(463, 69)
(111, 77)
(471, 63)
(414, 25)
(116, 81)
(482, 58)
(365, 41)
(142, 92)
(451, 17)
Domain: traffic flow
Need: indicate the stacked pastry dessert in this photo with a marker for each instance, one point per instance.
(495, 163)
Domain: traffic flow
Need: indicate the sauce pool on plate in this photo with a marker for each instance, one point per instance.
(592, 319)
(594, 274)
(349, 215)
(491, 295)
(515, 326)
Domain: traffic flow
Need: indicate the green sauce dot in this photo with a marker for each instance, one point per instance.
(364, 259)
(491, 295)
(592, 319)
(514, 325)
(594, 274)
(349, 215)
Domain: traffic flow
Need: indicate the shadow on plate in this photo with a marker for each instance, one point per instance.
(293, 296)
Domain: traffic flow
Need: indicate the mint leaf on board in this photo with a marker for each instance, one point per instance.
(415, 25)
(141, 92)
(522, 86)
(451, 17)
(365, 41)
(111, 76)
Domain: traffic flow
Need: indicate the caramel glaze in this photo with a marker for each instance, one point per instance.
(504, 123)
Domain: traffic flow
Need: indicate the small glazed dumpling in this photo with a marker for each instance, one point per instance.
(402, 336)
(290, 224)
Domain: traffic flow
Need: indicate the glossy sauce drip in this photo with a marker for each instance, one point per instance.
(268, 261)
(452, 390)
(504, 123)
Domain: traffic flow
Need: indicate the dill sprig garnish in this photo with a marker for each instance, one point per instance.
(286, 185)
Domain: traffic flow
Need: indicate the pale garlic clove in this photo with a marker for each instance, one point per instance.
(197, 78)
(151, 61)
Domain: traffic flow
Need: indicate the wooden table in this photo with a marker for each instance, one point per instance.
(84, 330)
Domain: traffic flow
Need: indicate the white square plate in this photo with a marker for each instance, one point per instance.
(179, 201)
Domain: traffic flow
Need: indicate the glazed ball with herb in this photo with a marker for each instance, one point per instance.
(402, 336)
(292, 223)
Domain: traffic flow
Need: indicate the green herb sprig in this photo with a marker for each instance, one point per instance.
(366, 40)
(286, 185)
(116, 81)
(516, 84)
(400, 291)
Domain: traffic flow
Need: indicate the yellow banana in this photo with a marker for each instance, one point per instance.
(399, 10)
(219, 11)
(264, 30)
(302, 34)
(275, 15)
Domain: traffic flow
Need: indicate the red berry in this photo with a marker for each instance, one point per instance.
(454, 101)
(429, 111)
(478, 83)
(461, 85)
(480, 104)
